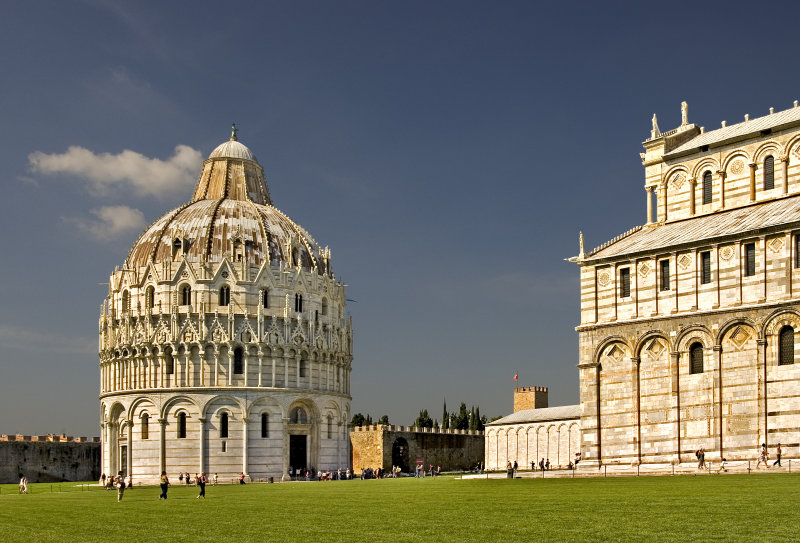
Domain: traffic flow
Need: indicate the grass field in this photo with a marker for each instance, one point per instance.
(686, 509)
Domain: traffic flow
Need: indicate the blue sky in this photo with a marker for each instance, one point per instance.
(447, 152)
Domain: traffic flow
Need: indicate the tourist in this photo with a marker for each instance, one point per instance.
(577, 458)
(103, 480)
(188, 479)
(23, 484)
(120, 488)
(509, 470)
(547, 464)
(778, 456)
(201, 482)
(241, 478)
(762, 457)
(164, 485)
(180, 476)
(701, 458)
(722, 465)
(533, 465)
(516, 467)
(215, 479)
(541, 465)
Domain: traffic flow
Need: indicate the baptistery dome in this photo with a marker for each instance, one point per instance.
(227, 328)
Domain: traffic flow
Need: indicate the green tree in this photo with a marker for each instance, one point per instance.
(462, 418)
(361, 420)
(445, 417)
(384, 420)
(423, 420)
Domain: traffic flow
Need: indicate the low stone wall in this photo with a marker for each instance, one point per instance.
(386, 446)
(44, 459)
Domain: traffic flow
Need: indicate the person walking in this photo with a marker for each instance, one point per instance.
(778, 456)
(164, 485)
(120, 488)
(762, 456)
(201, 482)
(215, 479)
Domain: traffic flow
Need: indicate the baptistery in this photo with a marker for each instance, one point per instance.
(224, 344)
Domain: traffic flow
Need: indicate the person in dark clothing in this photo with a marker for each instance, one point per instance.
(164, 485)
(201, 482)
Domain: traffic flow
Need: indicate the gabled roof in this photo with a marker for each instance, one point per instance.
(739, 130)
(712, 228)
(540, 415)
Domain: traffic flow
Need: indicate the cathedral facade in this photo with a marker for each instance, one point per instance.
(688, 330)
(224, 344)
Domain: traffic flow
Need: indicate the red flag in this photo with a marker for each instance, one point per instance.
(516, 375)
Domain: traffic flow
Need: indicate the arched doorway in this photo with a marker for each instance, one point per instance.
(400, 454)
(299, 430)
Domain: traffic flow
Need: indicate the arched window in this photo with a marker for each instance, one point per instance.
(696, 358)
(786, 346)
(182, 425)
(145, 426)
(298, 416)
(769, 173)
(330, 427)
(298, 302)
(324, 306)
(238, 361)
(223, 425)
(264, 425)
(169, 361)
(150, 297)
(125, 301)
(707, 188)
(186, 295)
(265, 298)
(224, 295)
(303, 367)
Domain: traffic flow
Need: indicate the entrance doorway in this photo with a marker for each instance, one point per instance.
(297, 453)
(400, 454)
(123, 460)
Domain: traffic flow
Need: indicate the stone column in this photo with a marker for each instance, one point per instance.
(272, 358)
(635, 361)
(590, 414)
(722, 176)
(130, 448)
(649, 204)
(244, 444)
(201, 356)
(202, 421)
(784, 161)
(718, 414)
(162, 450)
(675, 370)
(216, 366)
(230, 365)
(285, 452)
(761, 361)
(752, 181)
(245, 359)
(664, 201)
(260, 365)
(692, 195)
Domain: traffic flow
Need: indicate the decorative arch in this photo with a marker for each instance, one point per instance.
(738, 153)
(645, 340)
(695, 332)
(707, 163)
(600, 350)
(732, 323)
(672, 171)
(778, 319)
(217, 403)
(768, 147)
(178, 402)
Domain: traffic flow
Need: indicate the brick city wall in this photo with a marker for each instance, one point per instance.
(45, 459)
(385, 446)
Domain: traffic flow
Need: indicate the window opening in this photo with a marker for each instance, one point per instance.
(224, 295)
(182, 426)
(145, 426)
(624, 282)
(665, 275)
(238, 361)
(749, 259)
(223, 425)
(705, 267)
(707, 188)
(150, 298)
(298, 416)
(786, 346)
(186, 295)
(769, 173)
(265, 298)
(696, 358)
(264, 425)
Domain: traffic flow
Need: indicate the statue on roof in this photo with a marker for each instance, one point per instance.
(234, 131)
(655, 131)
(684, 113)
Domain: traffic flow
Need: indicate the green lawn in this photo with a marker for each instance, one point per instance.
(688, 509)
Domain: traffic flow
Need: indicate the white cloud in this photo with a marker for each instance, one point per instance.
(111, 222)
(147, 176)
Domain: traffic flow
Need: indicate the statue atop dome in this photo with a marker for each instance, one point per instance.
(234, 132)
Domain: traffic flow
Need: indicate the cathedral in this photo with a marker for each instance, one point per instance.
(688, 323)
(224, 344)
